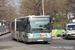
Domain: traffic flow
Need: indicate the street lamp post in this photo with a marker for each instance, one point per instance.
(43, 7)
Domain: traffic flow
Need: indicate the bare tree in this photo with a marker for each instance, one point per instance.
(31, 7)
(7, 11)
(11, 13)
(52, 7)
(3, 8)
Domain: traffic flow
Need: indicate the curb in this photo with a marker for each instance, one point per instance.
(57, 38)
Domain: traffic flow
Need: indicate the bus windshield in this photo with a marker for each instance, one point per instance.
(71, 27)
(40, 26)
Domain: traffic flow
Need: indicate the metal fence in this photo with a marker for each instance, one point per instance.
(59, 26)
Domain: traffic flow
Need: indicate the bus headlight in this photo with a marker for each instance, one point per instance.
(30, 35)
(48, 35)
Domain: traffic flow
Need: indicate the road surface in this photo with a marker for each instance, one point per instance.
(6, 43)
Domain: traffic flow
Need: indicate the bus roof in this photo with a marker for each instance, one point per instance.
(31, 16)
(38, 16)
(34, 16)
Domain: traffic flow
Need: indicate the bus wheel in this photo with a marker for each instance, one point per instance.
(45, 42)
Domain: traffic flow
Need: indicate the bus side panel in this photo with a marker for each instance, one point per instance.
(12, 29)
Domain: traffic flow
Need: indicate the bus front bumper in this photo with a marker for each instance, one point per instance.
(38, 39)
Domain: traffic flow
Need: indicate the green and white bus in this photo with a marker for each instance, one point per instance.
(31, 29)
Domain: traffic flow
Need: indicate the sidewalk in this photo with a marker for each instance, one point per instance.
(5, 35)
(57, 38)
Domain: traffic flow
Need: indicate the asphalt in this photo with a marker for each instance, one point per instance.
(58, 43)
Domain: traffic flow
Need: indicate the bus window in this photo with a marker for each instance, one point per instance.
(18, 27)
(23, 26)
(40, 26)
(12, 26)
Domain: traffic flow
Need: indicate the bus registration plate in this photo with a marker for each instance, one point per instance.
(39, 40)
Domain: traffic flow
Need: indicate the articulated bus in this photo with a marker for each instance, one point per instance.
(31, 29)
(3, 27)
